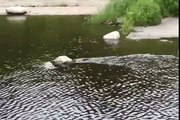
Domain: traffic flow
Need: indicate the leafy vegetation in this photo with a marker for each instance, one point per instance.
(114, 10)
(143, 12)
(137, 12)
(168, 7)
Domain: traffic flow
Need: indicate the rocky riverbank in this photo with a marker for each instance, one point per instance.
(56, 7)
(169, 28)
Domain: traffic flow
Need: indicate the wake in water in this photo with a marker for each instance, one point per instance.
(123, 88)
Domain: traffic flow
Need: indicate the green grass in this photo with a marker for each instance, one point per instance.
(168, 7)
(137, 12)
(114, 10)
(142, 13)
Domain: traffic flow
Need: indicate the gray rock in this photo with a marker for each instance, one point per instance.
(18, 10)
(112, 36)
(169, 28)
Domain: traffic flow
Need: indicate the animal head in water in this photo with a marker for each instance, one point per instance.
(59, 62)
(62, 60)
(48, 65)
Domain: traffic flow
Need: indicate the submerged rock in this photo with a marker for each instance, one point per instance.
(16, 10)
(135, 61)
(164, 40)
(112, 35)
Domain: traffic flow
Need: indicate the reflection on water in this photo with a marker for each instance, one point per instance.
(29, 41)
(94, 91)
(113, 42)
(117, 88)
(16, 19)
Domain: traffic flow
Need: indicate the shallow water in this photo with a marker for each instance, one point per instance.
(31, 40)
(114, 88)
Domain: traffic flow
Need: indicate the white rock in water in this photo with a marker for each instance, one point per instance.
(164, 40)
(62, 59)
(48, 65)
(112, 35)
(16, 10)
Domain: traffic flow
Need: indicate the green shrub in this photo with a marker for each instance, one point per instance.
(143, 12)
(137, 12)
(168, 7)
(114, 10)
(127, 26)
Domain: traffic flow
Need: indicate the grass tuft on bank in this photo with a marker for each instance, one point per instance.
(136, 12)
(114, 10)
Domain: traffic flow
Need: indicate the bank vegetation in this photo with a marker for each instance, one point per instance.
(130, 13)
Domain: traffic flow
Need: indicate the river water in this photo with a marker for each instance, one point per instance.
(134, 87)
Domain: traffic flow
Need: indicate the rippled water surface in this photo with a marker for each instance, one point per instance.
(129, 87)
(27, 41)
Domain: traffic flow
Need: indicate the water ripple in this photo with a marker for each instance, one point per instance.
(146, 88)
